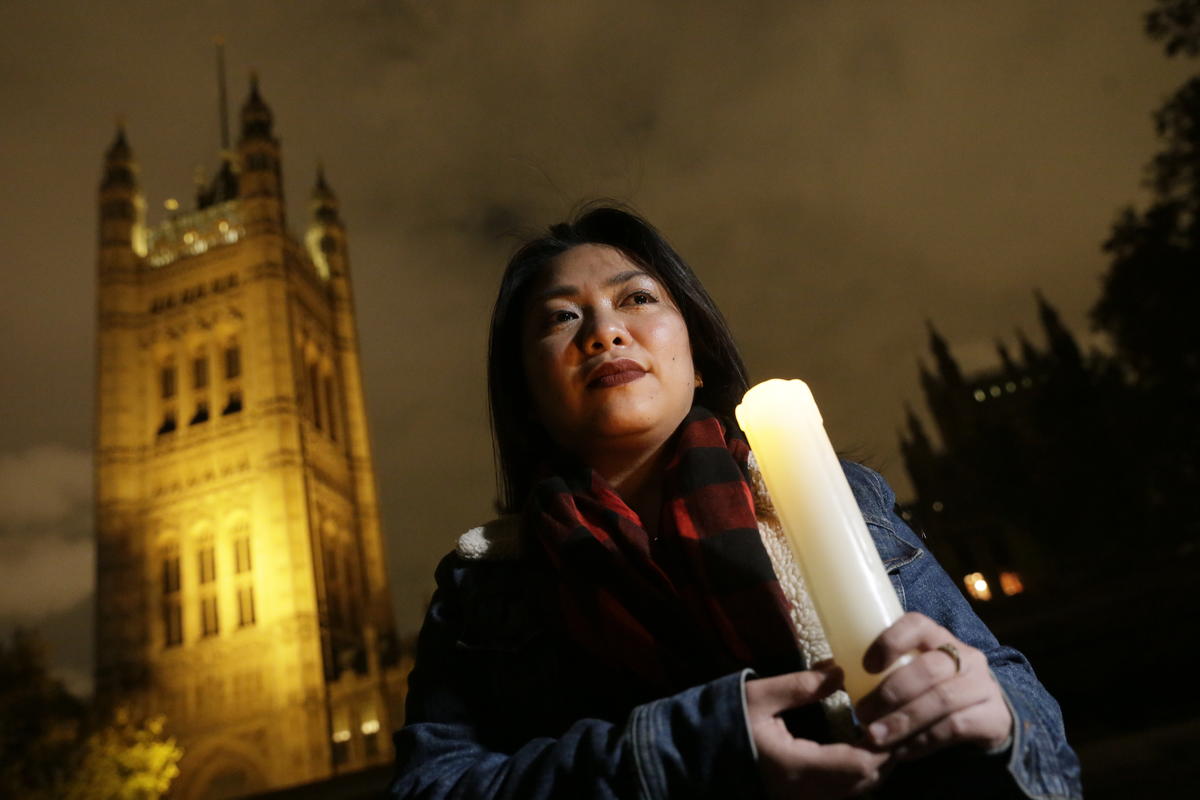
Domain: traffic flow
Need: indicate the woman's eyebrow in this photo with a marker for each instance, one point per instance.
(627, 275)
(568, 290)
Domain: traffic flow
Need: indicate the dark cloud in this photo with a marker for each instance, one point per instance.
(837, 173)
(47, 556)
(43, 486)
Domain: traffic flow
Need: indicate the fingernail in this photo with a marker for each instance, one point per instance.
(879, 732)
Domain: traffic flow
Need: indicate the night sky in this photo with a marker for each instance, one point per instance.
(836, 172)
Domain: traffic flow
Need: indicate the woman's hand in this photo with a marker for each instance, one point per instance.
(798, 768)
(936, 700)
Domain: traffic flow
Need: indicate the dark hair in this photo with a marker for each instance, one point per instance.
(520, 442)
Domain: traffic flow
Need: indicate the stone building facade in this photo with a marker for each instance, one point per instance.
(241, 586)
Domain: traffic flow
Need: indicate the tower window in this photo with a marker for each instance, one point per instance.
(370, 732)
(167, 381)
(208, 616)
(234, 405)
(171, 609)
(341, 747)
(201, 414)
(172, 621)
(245, 597)
(233, 362)
(200, 372)
(329, 409)
(314, 391)
(241, 555)
(168, 423)
(170, 575)
(207, 563)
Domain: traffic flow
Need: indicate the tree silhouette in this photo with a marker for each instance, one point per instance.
(1149, 294)
(41, 723)
(50, 746)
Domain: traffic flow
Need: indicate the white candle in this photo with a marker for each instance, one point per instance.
(824, 526)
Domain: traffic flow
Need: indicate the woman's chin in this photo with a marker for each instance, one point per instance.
(633, 429)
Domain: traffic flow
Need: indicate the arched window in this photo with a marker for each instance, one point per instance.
(167, 390)
(331, 409)
(166, 379)
(206, 571)
(243, 568)
(232, 361)
(314, 393)
(172, 607)
(200, 371)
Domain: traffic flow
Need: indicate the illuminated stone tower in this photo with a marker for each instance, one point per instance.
(241, 588)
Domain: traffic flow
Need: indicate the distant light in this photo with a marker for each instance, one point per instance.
(189, 237)
(1010, 583)
(937, 505)
(980, 395)
(171, 204)
(1010, 387)
(1027, 381)
(341, 736)
(222, 226)
(994, 391)
(370, 726)
(977, 587)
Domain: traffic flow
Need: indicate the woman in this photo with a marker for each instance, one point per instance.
(632, 628)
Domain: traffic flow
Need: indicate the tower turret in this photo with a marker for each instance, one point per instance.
(1029, 354)
(326, 241)
(326, 236)
(122, 207)
(1060, 341)
(1010, 367)
(947, 366)
(120, 663)
(260, 181)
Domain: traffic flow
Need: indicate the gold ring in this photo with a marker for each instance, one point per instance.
(952, 651)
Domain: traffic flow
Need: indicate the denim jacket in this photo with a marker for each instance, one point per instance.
(500, 706)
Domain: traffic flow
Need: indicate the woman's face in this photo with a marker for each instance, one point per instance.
(606, 353)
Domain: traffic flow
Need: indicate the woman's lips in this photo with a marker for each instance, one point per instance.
(615, 373)
(617, 378)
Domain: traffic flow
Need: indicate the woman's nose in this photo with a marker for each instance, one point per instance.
(604, 332)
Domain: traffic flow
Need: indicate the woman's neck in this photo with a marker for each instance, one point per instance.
(637, 478)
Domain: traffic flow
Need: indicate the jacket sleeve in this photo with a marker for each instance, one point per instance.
(694, 744)
(1041, 763)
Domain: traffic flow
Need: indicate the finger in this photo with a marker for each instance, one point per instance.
(834, 769)
(941, 701)
(770, 696)
(974, 724)
(914, 679)
(913, 631)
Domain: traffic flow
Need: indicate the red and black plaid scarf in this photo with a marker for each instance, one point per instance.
(700, 601)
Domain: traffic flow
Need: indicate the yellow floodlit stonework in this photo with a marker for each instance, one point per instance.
(241, 588)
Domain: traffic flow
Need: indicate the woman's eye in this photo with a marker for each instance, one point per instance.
(641, 298)
(559, 317)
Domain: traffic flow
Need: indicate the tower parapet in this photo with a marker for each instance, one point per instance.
(194, 233)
